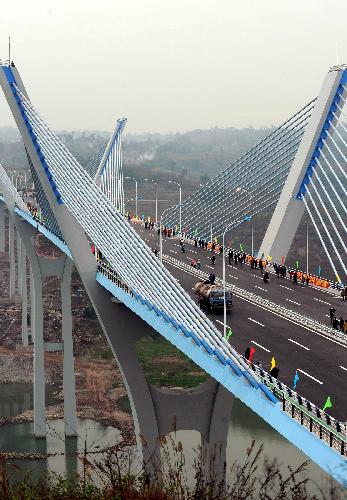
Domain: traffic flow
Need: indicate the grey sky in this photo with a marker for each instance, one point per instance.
(172, 65)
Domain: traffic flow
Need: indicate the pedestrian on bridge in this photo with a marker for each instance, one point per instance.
(342, 324)
(332, 311)
(295, 278)
(211, 278)
(230, 256)
(213, 260)
(261, 266)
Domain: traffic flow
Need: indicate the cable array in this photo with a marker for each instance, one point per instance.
(324, 188)
(110, 170)
(248, 186)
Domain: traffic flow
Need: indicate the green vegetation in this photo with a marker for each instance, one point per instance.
(119, 476)
(88, 312)
(165, 366)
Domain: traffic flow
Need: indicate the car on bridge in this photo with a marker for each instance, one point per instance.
(211, 297)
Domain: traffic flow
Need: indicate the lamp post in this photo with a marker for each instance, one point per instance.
(133, 179)
(156, 198)
(224, 285)
(180, 205)
(238, 189)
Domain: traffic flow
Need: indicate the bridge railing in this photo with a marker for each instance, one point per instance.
(325, 427)
(306, 413)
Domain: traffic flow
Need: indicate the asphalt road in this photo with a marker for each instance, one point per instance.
(321, 363)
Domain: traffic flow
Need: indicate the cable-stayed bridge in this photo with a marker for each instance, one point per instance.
(77, 211)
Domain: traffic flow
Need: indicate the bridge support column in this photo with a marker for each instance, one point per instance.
(19, 262)
(289, 209)
(70, 418)
(2, 227)
(11, 236)
(24, 293)
(38, 353)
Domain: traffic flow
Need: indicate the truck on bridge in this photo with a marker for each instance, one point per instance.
(211, 296)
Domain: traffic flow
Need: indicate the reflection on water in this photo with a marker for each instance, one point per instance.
(17, 398)
(92, 436)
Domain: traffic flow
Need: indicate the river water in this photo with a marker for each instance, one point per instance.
(244, 427)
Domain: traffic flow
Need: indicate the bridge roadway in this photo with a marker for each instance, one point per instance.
(323, 360)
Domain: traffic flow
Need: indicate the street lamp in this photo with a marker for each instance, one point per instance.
(136, 197)
(223, 256)
(180, 205)
(156, 198)
(238, 189)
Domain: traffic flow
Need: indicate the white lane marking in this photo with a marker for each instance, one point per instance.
(293, 302)
(343, 368)
(261, 347)
(255, 321)
(272, 312)
(310, 376)
(323, 301)
(297, 343)
(260, 288)
(221, 322)
(234, 277)
(286, 287)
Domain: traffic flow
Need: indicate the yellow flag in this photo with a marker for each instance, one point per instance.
(216, 240)
(149, 218)
(273, 363)
(338, 278)
(269, 258)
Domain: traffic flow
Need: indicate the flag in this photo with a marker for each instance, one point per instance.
(229, 334)
(328, 404)
(338, 278)
(251, 354)
(176, 228)
(296, 380)
(149, 218)
(216, 240)
(319, 270)
(273, 363)
(269, 258)
(241, 247)
(282, 260)
(195, 231)
(297, 264)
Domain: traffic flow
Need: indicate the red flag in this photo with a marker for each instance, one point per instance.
(251, 354)
(282, 260)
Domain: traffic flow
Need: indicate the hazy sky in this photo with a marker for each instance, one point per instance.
(171, 65)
